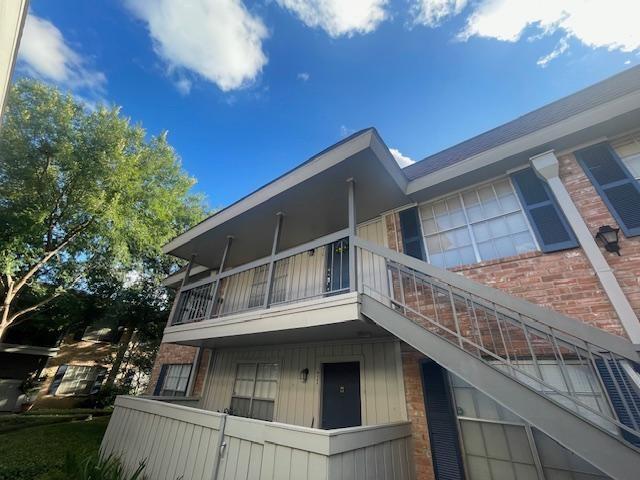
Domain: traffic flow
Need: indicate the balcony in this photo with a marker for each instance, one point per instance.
(192, 444)
(307, 288)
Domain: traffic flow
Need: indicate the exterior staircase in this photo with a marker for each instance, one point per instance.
(501, 345)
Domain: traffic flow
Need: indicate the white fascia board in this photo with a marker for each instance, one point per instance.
(28, 349)
(178, 276)
(601, 113)
(318, 164)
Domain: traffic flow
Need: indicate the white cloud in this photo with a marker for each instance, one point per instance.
(402, 160)
(346, 131)
(183, 85)
(218, 40)
(562, 47)
(339, 17)
(433, 12)
(304, 76)
(610, 24)
(45, 54)
(587, 21)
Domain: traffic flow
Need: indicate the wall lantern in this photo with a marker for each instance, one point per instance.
(304, 375)
(608, 236)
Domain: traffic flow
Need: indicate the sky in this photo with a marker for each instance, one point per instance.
(247, 90)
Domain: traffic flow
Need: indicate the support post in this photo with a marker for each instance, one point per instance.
(216, 286)
(274, 250)
(185, 279)
(547, 167)
(353, 280)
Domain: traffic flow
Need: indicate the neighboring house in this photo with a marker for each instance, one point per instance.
(81, 366)
(18, 364)
(453, 319)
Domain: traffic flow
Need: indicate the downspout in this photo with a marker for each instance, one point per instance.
(547, 167)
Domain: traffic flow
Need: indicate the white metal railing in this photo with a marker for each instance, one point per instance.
(178, 442)
(516, 337)
(316, 269)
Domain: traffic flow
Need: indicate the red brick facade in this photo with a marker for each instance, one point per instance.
(171, 353)
(563, 281)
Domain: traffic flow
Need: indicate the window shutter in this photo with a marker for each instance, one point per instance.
(443, 431)
(95, 388)
(160, 382)
(412, 242)
(611, 376)
(549, 224)
(57, 378)
(615, 184)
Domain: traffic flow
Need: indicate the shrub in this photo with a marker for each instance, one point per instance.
(93, 467)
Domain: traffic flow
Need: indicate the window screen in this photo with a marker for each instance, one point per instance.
(254, 390)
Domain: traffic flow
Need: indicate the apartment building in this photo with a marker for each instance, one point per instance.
(471, 316)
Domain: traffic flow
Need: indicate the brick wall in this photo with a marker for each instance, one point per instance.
(171, 353)
(563, 281)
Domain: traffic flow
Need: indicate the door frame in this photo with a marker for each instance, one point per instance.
(320, 361)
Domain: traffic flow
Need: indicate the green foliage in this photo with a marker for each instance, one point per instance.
(106, 396)
(93, 467)
(11, 423)
(82, 192)
(39, 452)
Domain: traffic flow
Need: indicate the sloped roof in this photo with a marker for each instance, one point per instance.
(590, 97)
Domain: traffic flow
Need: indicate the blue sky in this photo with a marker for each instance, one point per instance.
(248, 90)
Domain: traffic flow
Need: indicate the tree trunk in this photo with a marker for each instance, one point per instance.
(4, 321)
(123, 346)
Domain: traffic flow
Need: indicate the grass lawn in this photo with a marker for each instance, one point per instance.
(37, 452)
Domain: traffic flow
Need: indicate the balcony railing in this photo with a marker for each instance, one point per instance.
(177, 442)
(313, 270)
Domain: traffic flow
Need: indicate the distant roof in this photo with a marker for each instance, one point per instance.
(590, 97)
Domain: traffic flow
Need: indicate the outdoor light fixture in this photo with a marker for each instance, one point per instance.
(304, 374)
(608, 236)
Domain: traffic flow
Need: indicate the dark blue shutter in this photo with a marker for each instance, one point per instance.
(616, 375)
(549, 224)
(57, 378)
(95, 388)
(615, 184)
(441, 419)
(412, 242)
(160, 382)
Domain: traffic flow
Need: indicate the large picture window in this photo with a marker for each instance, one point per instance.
(78, 379)
(254, 390)
(478, 224)
(176, 380)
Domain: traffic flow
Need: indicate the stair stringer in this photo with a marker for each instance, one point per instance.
(602, 449)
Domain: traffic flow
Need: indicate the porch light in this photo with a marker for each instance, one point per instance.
(608, 236)
(304, 375)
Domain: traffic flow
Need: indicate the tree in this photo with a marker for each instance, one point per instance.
(78, 189)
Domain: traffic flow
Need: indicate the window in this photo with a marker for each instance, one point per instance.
(176, 380)
(254, 390)
(628, 150)
(498, 444)
(478, 224)
(77, 379)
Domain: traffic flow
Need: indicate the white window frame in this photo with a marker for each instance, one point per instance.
(68, 386)
(253, 396)
(459, 193)
(165, 392)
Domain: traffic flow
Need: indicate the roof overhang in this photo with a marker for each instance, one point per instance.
(607, 119)
(312, 197)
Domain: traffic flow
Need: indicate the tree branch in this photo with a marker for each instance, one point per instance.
(48, 255)
(12, 318)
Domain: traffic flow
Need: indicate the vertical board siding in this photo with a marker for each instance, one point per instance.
(181, 443)
(298, 403)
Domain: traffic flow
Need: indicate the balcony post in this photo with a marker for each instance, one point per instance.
(216, 285)
(274, 250)
(353, 281)
(184, 281)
